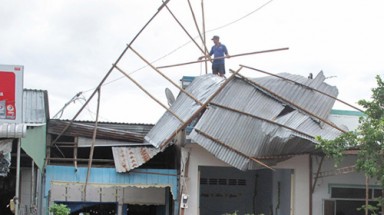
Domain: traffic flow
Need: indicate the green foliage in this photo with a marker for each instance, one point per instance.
(335, 148)
(368, 138)
(372, 209)
(59, 209)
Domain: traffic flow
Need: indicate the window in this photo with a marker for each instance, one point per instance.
(346, 200)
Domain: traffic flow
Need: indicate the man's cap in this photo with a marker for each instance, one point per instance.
(215, 37)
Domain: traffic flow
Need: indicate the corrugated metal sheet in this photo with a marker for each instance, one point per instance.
(87, 142)
(139, 128)
(128, 158)
(12, 130)
(184, 107)
(124, 132)
(244, 122)
(300, 95)
(35, 113)
(35, 106)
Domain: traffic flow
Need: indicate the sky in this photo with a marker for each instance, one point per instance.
(68, 47)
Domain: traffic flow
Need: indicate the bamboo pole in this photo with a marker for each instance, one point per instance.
(174, 84)
(150, 95)
(92, 146)
(292, 104)
(75, 151)
(232, 149)
(204, 35)
(184, 29)
(16, 198)
(194, 20)
(268, 73)
(109, 72)
(231, 56)
(194, 115)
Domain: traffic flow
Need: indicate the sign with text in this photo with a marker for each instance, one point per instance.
(11, 93)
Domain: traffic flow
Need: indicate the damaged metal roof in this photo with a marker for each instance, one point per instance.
(294, 88)
(185, 107)
(109, 131)
(128, 158)
(131, 136)
(251, 119)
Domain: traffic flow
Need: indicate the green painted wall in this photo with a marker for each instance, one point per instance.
(34, 144)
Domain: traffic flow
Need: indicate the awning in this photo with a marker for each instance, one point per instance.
(12, 130)
(153, 194)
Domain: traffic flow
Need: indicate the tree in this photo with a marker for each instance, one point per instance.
(59, 209)
(368, 139)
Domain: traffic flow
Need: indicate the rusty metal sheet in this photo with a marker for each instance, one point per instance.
(128, 158)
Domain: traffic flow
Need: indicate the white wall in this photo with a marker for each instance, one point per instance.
(201, 157)
(300, 182)
(198, 157)
(323, 184)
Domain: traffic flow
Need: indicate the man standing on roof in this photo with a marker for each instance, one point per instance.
(218, 51)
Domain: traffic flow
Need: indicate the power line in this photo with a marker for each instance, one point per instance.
(186, 43)
(241, 18)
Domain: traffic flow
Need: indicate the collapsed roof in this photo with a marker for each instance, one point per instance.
(250, 119)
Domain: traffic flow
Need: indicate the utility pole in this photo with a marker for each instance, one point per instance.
(17, 191)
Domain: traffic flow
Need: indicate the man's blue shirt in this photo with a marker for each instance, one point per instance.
(218, 51)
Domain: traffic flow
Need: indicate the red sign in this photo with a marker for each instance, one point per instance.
(7, 95)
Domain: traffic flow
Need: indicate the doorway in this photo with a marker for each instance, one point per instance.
(228, 190)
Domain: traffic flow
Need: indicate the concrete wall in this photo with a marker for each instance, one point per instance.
(346, 120)
(300, 179)
(299, 184)
(226, 190)
(323, 184)
(198, 157)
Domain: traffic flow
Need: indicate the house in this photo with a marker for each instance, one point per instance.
(253, 148)
(24, 155)
(249, 148)
(113, 173)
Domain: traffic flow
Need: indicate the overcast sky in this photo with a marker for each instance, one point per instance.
(68, 46)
